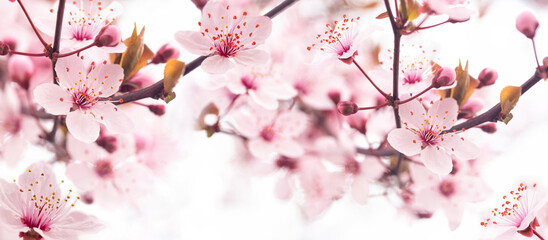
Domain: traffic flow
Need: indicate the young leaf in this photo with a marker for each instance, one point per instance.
(382, 15)
(509, 97)
(136, 55)
(463, 83)
(172, 72)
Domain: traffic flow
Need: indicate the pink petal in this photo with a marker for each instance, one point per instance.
(256, 30)
(360, 189)
(291, 124)
(453, 211)
(283, 187)
(69, 71)
(437, 160)
(10, 198)
(84, 152)
(405, 141)
(53, 98)
(13, 149)
(11, 219)
(509, 234)
(106, 79)
(216, 64)
(72, 225)
(443, 114)
(289, 148)
(114, 119)
(264, 99)
(455, 144)
(82, 175)
(82, 126)
(460, 14)
(194, 42)
(251, 57)
(261, 148)
(413, 114)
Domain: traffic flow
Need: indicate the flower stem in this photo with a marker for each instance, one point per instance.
(435, 25)
(371, 81)
(28, 54)
(416, 96)
(75, 51)
(32, 25)
(374, 107)
(537, 234)
(535, 50)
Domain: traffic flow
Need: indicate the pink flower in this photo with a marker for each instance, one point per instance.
(339, 39)
(35, 206)
(226, 34)
(83, 20)
(105, 176)
(272, 132)
(457, 10)
(518, 212)
(79, 96)
(423, 133)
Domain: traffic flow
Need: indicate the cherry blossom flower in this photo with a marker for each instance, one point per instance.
(271, 132)
(80, 94)
(339, 39)
(224, 34)
(518, 212)
(449, 193)
(83, 21)
(423, 133)
(417, 66)
(34, 206)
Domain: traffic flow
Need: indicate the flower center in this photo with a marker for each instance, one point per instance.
(429, 136)
(249, 82)
(103, 168)
(12, 125)
(83, 100)
(412, 77)
(287, 163)
(447, 188)
(352, 167)
(267, 133)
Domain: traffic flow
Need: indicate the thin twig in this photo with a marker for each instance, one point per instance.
(32, 25)
(370, 80)
(61, 55)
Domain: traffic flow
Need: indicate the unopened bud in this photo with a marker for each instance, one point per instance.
(21, 68)
(109, 36)
(446, 77)
(136, 82)
(157, 109)
(4, 49)
(347, 108)
(527, 24)
(487, 77)
(109, 143)
(199, 3)
(469, 109)
(165, 53)
(11, 42)
(334, 95)
(489, 128)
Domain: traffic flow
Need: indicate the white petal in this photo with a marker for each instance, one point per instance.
(114, 119)
(413, 115)
(194, 42)
(405, 141)
(53, 98)
(264, 99)
(437, 160)
(251, 57)
(216, 64)
(82, 126)
(105, 79)
(69, 71)
(443, 114)
(455, 144)
(289, 148)
(261, 148)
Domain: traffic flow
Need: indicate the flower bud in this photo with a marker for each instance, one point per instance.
(527, 24)
(159, 109)
(489, 128)
(137, 81)
(11, 42)
(347, 108)
(109, 36)
(199, 3)
(470, 108)
(487, 77)
(20, 70)
(165, 53)
(109, 143)
(334, 95)
(4, 49)
(446, 77)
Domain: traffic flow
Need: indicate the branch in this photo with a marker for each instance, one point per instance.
(492, 115)
(156, 89)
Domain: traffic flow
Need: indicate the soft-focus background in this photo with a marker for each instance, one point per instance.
(205, 195)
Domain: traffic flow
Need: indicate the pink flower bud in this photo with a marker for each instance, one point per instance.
(159, 109)
(489, 128)
(487, 77)
(199, 3)
(446, 77)
(109, 36)
(20, 70)
(165, 53)
(527, 24)
(136, 82)
(347, 108)
(470, 108)
(4, 48)
(11, 42)
(109, 143)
